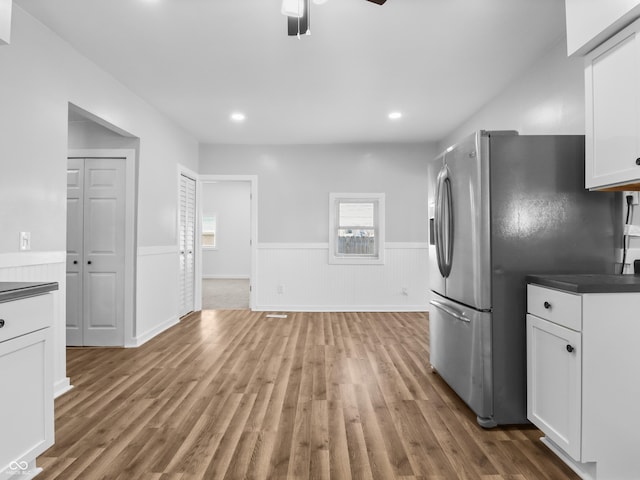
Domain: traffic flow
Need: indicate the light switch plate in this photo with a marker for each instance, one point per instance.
(25, 241)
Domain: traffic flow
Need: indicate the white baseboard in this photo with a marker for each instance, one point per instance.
(146, 336)
(61, 387)
(341, 308)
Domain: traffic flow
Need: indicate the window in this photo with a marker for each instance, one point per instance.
(209, 224)
(356, 228)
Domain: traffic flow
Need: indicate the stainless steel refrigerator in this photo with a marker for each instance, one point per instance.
(501, 206)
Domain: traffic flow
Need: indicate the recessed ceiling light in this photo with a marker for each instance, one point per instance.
(395, 115)
(238, 117)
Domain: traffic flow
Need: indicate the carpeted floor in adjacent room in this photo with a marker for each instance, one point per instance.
(225, 294)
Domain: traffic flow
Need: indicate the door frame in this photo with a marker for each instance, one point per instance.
(253, 214)
(129, 155)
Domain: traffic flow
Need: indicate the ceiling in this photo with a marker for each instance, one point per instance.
(197, 61)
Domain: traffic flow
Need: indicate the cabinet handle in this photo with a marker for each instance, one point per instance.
(75, 262)
(1, 322)
(89, 262)
(570, 348)
(637, 161)
(547, 305)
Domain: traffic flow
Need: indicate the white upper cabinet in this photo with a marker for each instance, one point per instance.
(591, 22)
(5, 21)
(612, 111)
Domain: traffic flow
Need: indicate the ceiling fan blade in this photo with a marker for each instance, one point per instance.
(379, 2)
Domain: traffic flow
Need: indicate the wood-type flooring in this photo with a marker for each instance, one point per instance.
(232, 394)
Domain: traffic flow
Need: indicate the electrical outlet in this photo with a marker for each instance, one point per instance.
(635, 198)
(25, 241)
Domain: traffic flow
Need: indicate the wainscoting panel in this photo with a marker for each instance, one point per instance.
(156, 293)
(298, 277)
(44, 267)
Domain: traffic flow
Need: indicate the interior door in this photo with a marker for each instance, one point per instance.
(469, 280)
(103, 279)
(186, 238)
(75, 259)
(95, 251)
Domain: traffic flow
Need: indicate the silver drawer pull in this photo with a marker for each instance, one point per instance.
(450, 311)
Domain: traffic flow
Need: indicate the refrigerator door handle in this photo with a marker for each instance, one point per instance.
(444, 205)
(449, 197)
(451, 311)
(438, 225)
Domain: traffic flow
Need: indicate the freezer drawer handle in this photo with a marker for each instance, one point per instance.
(450, 311)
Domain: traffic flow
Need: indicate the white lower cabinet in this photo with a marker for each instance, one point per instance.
(26, 380)
(554, 382)
(583, 371)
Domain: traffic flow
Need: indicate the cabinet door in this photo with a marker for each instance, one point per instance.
(554, 359)
(612, 99)
(26, 402)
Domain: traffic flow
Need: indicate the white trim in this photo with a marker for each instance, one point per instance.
(157, 250)
(226, 277)
(388, 246)
(148, 335)
(22, 259)
(187, 172)
(131, 214)
(61, 387)
(285, 246)
(342, 308)
(253, 182)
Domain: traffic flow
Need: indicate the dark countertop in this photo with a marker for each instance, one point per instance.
(588, 283)
(16, 290)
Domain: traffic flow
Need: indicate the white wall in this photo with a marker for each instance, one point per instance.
(590, 22)
(231, 203)
(547, 99)
(88, 134)
(294, 183)
(41, 75)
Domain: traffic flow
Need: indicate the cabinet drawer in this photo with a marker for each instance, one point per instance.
(558, 307)
(25, 315)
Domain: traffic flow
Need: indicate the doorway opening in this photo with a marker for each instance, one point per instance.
(228, 230)
(101, 232)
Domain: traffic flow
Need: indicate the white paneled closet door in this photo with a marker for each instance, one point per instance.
(187, 241)
(95, 251)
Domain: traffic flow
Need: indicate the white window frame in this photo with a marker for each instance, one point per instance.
(205, 232)
(379, 226)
